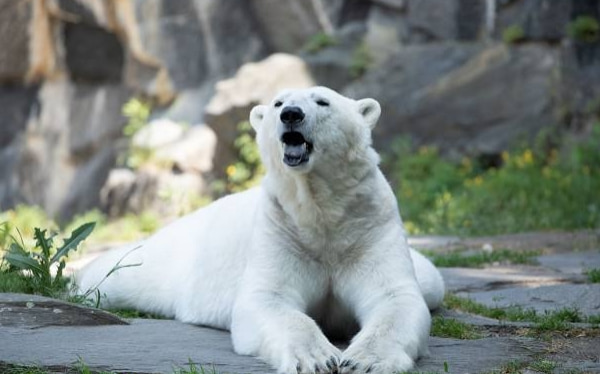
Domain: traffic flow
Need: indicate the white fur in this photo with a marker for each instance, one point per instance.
(317, 248)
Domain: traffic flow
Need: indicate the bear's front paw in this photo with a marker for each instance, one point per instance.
(311, 358)
(359, 362)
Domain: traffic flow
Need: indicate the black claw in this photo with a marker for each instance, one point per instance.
(317, 368)
(369, 369)
(298, 368)
(354, 366)
(332, 362)
(345, 363)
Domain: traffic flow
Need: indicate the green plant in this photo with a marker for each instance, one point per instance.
(543, 366)
(137, 112)
(193, 368)
(25, 218)
(36, 265)
(361, 60)
(513, 34)
(478, 260)
(584, 29)
(533, 189)
(319, 41)
(557, 320)
(451, 328)
(248, 170)
(593, 275)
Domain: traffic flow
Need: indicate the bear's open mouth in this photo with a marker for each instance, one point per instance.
(296, 149)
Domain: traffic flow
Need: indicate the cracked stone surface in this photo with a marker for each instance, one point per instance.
(583, 297)
(52, 334)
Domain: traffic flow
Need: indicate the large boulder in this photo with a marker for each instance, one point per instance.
(433, 20)
(465, 98)
(175, 46)
(545, 20)
(254, 83)
(69, 146)
(173, 177)
(14, 39)
(289, 25)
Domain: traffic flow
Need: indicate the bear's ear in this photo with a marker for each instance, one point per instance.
(256, 116)
(370, 110)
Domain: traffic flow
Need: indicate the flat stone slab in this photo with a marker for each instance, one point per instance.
(584, 297)
(159, 346)
(469, 279)
(32, 311)
(571, 263)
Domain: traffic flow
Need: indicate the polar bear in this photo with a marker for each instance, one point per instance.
(317, 252)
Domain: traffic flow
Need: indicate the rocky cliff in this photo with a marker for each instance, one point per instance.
(470, 76)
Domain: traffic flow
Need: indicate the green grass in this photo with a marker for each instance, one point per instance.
(543, 366)
(479, 260)
(319, 42)
(558, 320)
(451, 328)
(593, 275)
(513, 34)
(539, 188)
(584, 29)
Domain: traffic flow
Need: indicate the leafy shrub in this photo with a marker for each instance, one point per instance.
(532, 190)
(20, 222)
(35, 266)
(513, 34)
(137, 112)
(584, 29)
(248, 170)
(361, 61)
(319, 41)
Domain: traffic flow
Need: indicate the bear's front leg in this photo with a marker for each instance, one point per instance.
(283, 336)
(269, 317)
(391, 311)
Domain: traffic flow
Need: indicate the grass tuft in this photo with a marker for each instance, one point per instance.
(451, 328)
(593, 275)
(479, 260)
(531, 189)
(548, 321)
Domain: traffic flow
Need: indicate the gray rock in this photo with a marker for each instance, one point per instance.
(288, 25)
(469, 280)
(69, 147)
(447, 20)
(144, 346)
(575, 263)
(332, 66)
(160, 191)
(14, 40)
(92, 53)
(464, 98)
(539, 19)
(152, 346)
(34, 312)
(476, 356)
(584, 297)
(182, 44)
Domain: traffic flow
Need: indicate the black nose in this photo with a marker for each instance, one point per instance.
(291, 115)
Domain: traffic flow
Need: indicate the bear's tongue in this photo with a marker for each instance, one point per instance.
(295, 154)
(295, 148)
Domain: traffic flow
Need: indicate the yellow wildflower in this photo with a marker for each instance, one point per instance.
(230, 170)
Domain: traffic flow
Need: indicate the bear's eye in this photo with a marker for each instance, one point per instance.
(278, 104)
(322, 102)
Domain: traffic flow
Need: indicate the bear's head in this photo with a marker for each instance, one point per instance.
(308, 128)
